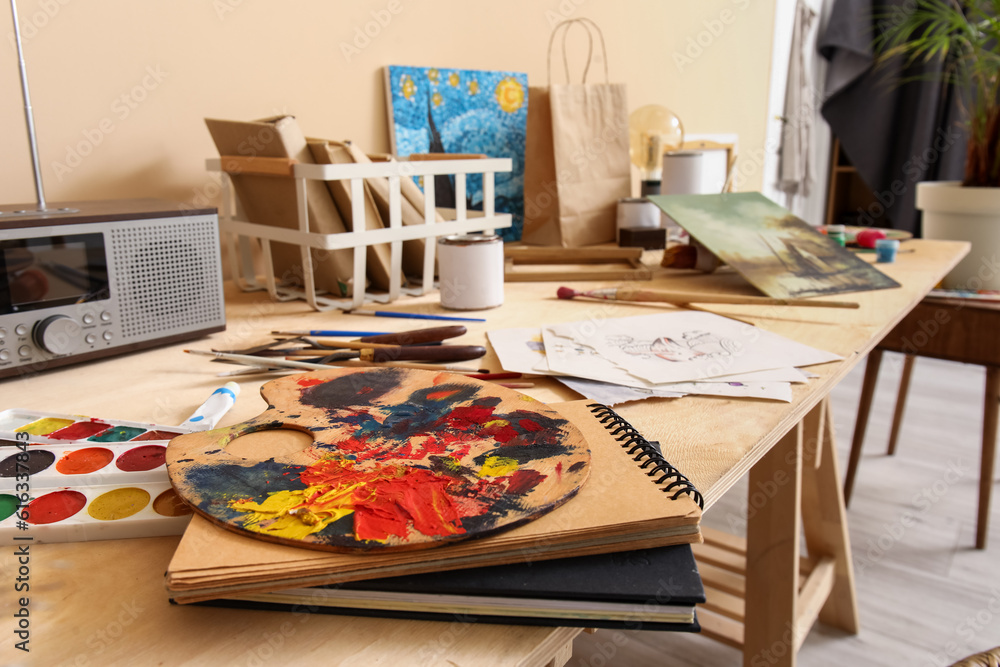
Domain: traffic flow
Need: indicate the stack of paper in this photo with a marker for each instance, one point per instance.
(666, 355)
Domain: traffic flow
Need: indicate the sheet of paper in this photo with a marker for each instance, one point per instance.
(520, 350)
(671, 347)
(612, 394)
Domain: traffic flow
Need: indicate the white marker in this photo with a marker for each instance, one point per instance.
(212, 410)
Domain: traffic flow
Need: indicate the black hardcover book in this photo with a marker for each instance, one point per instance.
(649, 589)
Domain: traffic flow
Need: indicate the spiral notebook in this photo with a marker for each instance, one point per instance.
(634, 499)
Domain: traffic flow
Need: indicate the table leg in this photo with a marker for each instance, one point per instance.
(824, 521)
(904, 390)
(772, 565)
(861, 424)
(991, 407)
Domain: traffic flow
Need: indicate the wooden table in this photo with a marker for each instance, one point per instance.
(960, 330)
(100, 603)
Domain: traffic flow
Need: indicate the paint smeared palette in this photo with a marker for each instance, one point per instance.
(88, 478)
(387, 458)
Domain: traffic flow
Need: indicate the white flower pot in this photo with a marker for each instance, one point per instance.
(951, 212)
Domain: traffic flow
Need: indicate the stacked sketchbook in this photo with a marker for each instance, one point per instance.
(633, 500)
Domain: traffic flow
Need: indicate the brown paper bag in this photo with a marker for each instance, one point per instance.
(577, 155)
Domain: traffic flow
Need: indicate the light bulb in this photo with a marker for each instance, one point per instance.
(653, 130)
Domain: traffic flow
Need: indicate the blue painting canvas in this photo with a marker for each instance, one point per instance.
(439, 110)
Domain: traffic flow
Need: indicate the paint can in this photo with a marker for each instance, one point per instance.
(637, 213)
(470, 271)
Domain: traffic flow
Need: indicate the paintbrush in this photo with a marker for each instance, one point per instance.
(683, 298)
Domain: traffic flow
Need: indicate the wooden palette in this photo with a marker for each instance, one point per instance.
(381, 458)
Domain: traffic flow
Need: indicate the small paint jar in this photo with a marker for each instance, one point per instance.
(885, 250)
(838, 233)
(470, 271)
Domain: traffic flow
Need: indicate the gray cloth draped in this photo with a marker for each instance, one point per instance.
(794, 176)
(895, 133)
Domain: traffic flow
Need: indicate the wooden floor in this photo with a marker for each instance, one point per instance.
(926, 596)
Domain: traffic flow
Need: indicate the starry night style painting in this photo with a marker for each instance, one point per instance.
(399, 459)
(438, 110)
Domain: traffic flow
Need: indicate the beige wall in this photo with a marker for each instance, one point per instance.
(120, 87)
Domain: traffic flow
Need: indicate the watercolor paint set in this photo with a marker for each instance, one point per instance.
(88, 478)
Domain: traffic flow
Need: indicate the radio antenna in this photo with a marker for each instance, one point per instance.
(28, 115)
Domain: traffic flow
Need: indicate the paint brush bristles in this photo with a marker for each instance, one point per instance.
(683, 298)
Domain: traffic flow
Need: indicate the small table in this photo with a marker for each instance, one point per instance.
(953, 329)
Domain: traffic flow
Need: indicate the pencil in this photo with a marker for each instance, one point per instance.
(412, 316)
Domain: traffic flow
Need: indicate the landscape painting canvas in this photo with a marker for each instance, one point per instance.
(779, 254)
(447, 110)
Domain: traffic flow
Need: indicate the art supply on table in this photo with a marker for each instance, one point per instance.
(885, 250)
(213, 409)
(681, 298)
(775, 251)
(637, 213)
(411, 316)
(380, 437)
(647, 239)
(90, 478)
(530, 264)
(470, 271)
(659, 509)
(328, 332)
(838, 234)
(655, 588)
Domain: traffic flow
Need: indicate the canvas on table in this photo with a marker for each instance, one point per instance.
(779, 254)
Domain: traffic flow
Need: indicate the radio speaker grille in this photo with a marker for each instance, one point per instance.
(168, 276)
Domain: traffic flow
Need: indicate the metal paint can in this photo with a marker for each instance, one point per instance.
(470, 271)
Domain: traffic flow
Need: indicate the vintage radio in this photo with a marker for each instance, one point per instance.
(83, 280)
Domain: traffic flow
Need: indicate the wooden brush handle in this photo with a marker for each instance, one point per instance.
(625, 294)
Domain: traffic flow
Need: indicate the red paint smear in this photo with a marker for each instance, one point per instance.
(440, 395)
(142, 458)
(559, 471)
(390, 498)
(309, 382)
(470, 414)
(414, 449)
(529, 425)
(55, 506)
(502, 434)
(522, 481)
(83, 461)
(79, 430)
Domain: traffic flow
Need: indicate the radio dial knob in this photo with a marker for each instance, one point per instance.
(58, 334)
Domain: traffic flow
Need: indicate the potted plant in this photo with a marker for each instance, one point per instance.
(965, 34)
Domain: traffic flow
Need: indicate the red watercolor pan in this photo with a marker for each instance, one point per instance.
(55, 507)
(80, 430)
(146, 457)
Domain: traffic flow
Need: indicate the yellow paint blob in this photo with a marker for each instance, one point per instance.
(496, 423)
(285, 513)
(44, 426)
(118, 504)
(498, 466)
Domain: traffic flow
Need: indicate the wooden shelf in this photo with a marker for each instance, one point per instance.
(849, 199)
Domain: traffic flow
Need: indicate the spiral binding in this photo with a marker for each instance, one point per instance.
(642, 451)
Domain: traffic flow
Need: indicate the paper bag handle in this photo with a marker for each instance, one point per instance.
(591, 27)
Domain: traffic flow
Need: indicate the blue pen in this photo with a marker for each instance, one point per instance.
(412, 316)
(330, 332)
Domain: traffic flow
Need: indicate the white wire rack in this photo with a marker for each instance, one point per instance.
(241, 234)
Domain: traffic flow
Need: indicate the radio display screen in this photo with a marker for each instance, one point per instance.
(52, 271)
